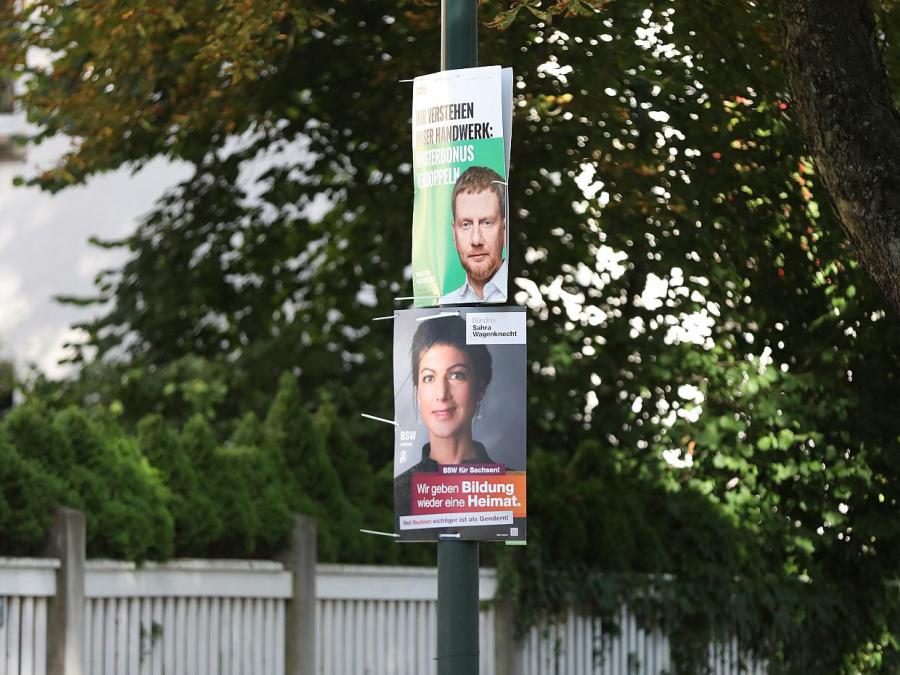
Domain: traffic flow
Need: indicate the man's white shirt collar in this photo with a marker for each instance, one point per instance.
(494, 290)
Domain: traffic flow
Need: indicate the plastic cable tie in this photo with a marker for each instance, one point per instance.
(378, 419)
(437, 316)
(380, 534)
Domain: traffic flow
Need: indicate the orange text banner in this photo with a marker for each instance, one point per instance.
(436, 493)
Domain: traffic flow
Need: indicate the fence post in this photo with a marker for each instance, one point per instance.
(506, 657)
(300, 617)
(65, 611)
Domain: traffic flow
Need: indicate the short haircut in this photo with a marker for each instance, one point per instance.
(449, 330)
(477, 179)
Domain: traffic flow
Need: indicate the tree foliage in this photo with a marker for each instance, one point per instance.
(711, 372)
(168, 491)
(87, 465)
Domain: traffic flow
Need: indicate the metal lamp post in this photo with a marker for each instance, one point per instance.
(457, 638)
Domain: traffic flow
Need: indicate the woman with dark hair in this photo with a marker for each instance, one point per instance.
(450, 378)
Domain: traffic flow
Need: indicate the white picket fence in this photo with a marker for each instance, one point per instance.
(187, 617)
(25, 586)
(383, 620)
(577, 645)
(228, 618)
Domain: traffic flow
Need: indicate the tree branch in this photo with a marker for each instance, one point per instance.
(842, 102)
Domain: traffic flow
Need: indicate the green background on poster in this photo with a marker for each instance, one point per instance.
(436, 266)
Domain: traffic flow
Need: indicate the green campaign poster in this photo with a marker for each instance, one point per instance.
(461, 135)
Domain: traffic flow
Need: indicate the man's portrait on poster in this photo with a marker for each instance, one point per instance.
(478, 206)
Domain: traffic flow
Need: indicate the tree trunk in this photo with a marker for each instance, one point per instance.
(842, 103)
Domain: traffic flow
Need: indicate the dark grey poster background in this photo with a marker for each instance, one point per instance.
(500, 424)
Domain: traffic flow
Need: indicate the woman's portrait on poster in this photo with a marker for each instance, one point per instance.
(453, 400)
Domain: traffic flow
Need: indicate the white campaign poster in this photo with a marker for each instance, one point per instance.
(461, 132)
(460, 436)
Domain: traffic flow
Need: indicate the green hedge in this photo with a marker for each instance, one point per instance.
(165, 491)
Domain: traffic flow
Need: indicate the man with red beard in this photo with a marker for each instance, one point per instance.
(479, 232)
